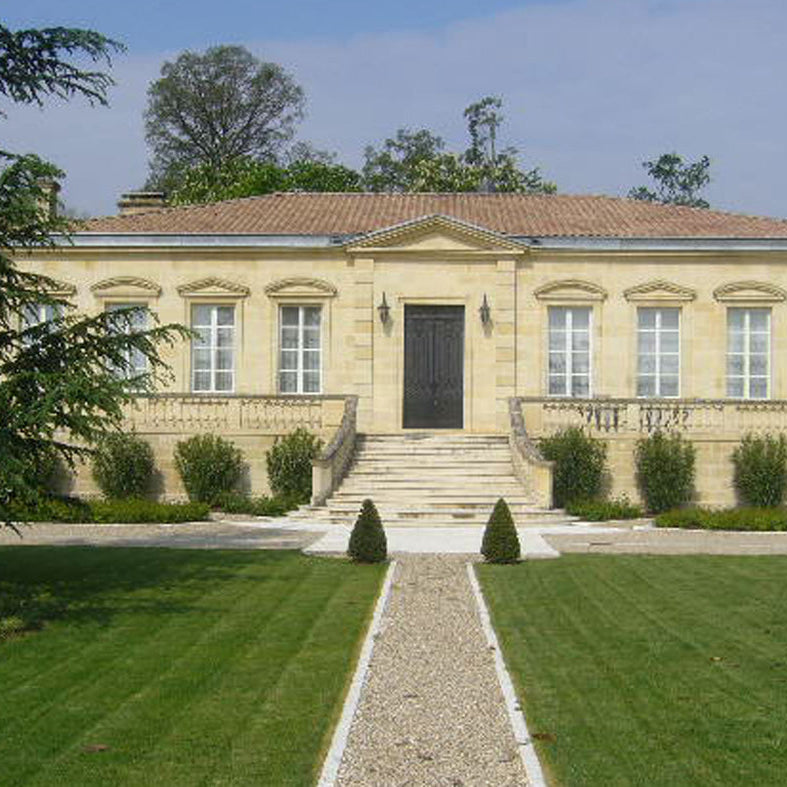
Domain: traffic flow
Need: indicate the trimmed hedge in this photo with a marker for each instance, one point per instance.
(752, 519)
(500, 543)
(209, 466)
(580, 463)
(289, 464)
(760, 470)
(603, 510)
(664, 471)
(368, 543)
(126, 511)
(123, 466)
(237, 503)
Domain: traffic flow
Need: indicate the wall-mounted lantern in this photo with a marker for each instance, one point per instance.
(485, 311)
(384, 310)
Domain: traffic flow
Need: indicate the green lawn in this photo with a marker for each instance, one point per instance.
(193, 668)
(658, 671)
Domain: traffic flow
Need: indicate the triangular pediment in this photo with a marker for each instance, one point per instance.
(659, 290)
(126, 287)
(570, 290)
(434, 234)
(300, 287)
(749, 291)
(213, 288)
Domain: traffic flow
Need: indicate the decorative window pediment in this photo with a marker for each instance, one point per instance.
(570, 290)
(659, 290)
(213, 287)
(126, 287)
(749, 292)
(300, 287)
(436, 234)
(60, 289)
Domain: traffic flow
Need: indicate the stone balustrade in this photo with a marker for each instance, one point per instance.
(236, 414)
(729, 418)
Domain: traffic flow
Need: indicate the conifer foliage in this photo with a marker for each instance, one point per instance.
(501, 542)
(368, 543)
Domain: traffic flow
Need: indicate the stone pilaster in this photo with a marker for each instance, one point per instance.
(503, 304)
(363, 344)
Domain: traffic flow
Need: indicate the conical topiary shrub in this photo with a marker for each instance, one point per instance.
(367, 541)
(500, 543)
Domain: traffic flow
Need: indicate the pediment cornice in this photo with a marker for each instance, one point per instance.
(213, 287)
(659, 290)
(749, 292)
(570, 290)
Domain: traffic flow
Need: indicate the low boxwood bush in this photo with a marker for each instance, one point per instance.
(603, 510)
(580, 462)
(760, 470)
(368, 543)
(237, 503)
(209, 466)
(123, 466)
(125, 511)
(664, 471)
(500, 543)
(696, 518)
(290, 464)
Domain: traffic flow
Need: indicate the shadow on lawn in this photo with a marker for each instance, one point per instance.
(93, 584)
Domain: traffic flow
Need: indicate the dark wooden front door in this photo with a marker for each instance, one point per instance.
(434, 350)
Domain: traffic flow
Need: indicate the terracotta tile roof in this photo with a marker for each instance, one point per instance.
(300, 213)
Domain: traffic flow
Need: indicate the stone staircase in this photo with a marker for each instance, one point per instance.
(427, 479)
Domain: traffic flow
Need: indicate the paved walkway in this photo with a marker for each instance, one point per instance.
(431, 711)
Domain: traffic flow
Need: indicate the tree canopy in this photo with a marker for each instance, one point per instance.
(677, 182)
(417, 160)
(213, 108)
(63, 381)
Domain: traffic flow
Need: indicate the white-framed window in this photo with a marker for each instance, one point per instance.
(658, 352)
(133, 322)
(213, 348)
(569, 351)
(748, 353)
(300, 349)
(38, 313)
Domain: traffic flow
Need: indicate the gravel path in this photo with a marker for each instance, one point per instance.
(431, 711)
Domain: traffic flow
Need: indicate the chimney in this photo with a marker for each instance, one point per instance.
(47, 198)
(140, 202)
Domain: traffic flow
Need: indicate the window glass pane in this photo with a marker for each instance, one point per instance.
(201, 359)
(311, 382)
(737, 342)
(311, 360)
(646, 386)
(224, 359)
(557, 386)
(647, 342)
(669, 386)
(224, 337)
(288, 382)
(557, 340)
(735, 365)
(670, 318)
(311, 316)
(289, 337)
(201, 381)
(735, 387)
(288, 359)
(311, 339)
(669, 342)
(200, 315)
(735, 319)
(225, 315)
(580, 363)
(669, 364)
(647, 364)
(223, 381)
(580, 318)
(557, 317)
(758, 343)
(647, 318)
(758, 364)
(759, 319)
(289, 315)
(580, 386)
(557, 363)
(758, 388)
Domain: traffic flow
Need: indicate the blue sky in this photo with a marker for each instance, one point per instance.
(591, 88)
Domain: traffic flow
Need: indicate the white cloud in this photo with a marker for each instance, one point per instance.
(591, 88)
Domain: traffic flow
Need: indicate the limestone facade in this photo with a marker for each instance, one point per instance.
(618, 334)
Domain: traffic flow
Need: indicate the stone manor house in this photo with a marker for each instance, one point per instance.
(448, 317)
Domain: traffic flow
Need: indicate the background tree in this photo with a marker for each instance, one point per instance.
(394, 166)
(214, 108)
(677, 182)
(63, 382)
(246, 177)
(416, 161)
